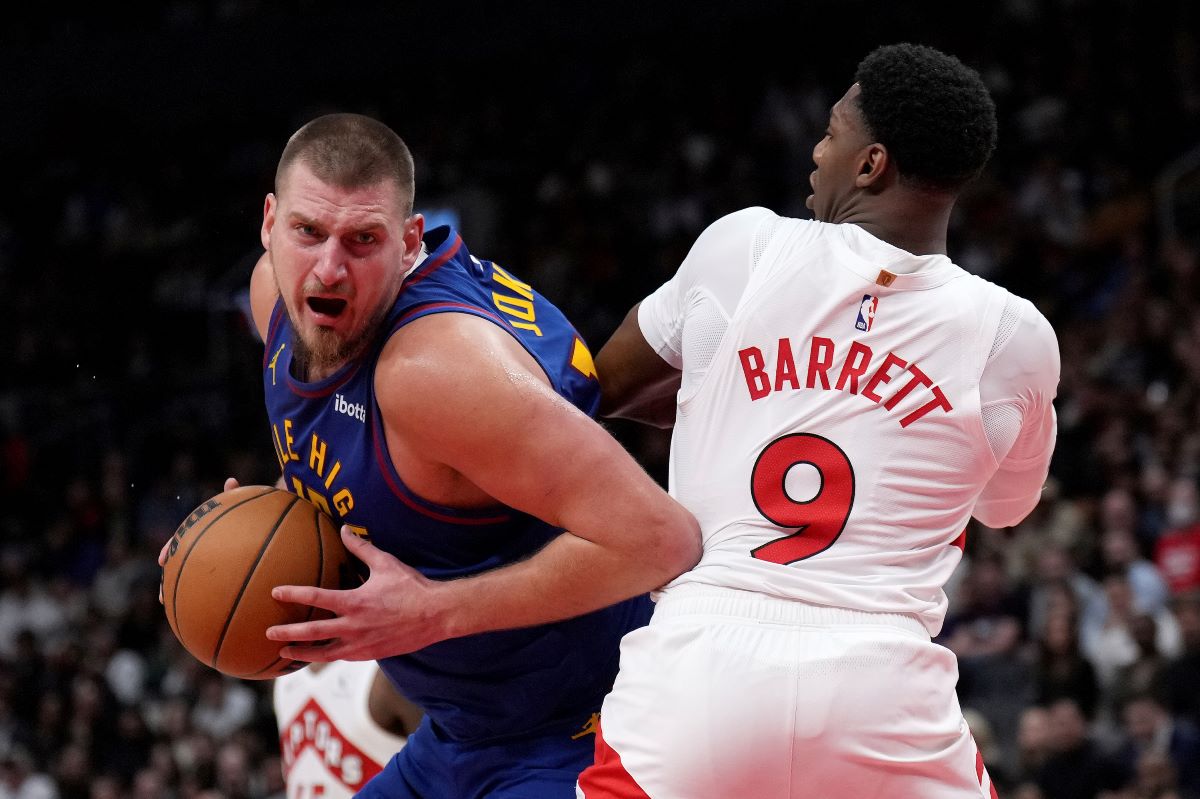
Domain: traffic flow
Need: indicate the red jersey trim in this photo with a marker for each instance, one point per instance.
(434, 264)
(404, 494)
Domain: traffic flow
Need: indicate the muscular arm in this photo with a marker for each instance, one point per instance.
(529, 448)
(460, 392)
(263, 294)
(635, 382)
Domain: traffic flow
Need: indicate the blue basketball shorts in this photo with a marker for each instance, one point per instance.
(431, 766)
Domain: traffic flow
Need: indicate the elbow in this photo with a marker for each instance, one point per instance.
(999, 515)
(681, 546)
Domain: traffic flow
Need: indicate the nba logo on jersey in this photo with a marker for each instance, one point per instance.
(866, 312)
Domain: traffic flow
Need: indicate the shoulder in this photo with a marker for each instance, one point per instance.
(1032, 333)
(264, 292)
(728, 246)
(1026, 346)
(739, 226)
(430, 343)
(444, 359)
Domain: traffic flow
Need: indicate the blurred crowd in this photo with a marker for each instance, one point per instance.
(130, 377)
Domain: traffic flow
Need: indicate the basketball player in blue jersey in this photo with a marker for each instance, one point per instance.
(438, 407)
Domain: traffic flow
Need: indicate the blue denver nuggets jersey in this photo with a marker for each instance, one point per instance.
(330, 442)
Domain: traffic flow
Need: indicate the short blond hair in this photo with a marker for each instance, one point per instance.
(351, 151)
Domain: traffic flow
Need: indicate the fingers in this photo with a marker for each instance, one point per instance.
(230, 483)
(313, 654)
(162, 564)
(326, 598)
(309, 632)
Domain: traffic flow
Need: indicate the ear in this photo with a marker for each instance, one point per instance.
(873, 162)
(414, 231)
(268, 221)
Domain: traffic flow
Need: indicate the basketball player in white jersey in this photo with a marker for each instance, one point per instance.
(844, 399)
(339, 724)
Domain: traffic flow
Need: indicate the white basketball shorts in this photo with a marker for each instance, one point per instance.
(730, 694)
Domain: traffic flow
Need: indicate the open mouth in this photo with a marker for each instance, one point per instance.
(326, 306)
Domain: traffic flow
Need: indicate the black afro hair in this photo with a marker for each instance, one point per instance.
(931, 112)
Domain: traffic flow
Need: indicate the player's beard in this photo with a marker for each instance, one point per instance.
(322, 351)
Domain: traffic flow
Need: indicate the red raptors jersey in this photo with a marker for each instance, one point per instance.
(330, 744)
(845, 407)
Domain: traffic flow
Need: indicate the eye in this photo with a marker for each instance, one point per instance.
(306, 230)
(364, 238)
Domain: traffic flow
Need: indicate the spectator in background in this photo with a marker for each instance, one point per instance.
(73, 771)
(1155, 779)
(1058, 525)
(224, 705)
(985, 630)
(1056, 569)
(20, 778)
(1033, 745)
(1177, 553)
(1150, 730)
(149, 784)
(25, 603)
(1145, 675)
(1182, 675)
(1075, 768)
(1108, 638)
(1119, 550)
(1062, 672)
(990, 615)
(235, 778)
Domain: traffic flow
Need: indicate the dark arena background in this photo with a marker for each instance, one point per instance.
(584, 147)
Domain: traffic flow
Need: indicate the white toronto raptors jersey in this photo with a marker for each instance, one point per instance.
(329, 743)
(829, 436)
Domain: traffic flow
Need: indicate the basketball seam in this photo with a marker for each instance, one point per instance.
(250, 574)
(320, 581)
(195, 541)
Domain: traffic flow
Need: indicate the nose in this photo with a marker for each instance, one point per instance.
(330, 268)
(818, 151)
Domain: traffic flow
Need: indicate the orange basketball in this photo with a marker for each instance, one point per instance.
(222, 564)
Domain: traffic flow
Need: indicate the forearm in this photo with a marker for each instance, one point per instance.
(1016, 487)
(658, 411)
(636, 383)
(570, 576)
(1009, 499)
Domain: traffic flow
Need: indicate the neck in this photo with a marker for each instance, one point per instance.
(916, 222)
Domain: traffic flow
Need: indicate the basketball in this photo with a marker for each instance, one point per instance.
(224, 560)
